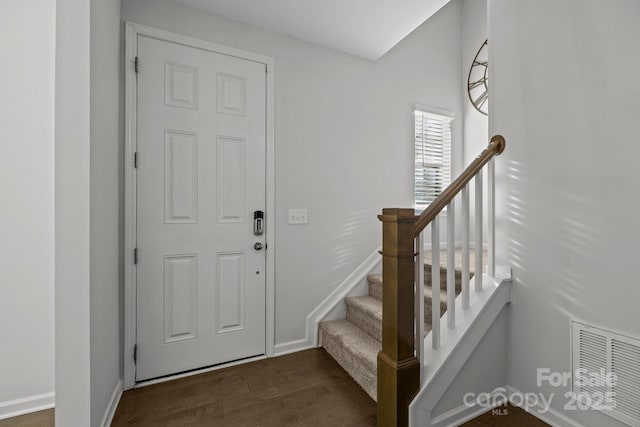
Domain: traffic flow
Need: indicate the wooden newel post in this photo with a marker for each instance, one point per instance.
(398, 368)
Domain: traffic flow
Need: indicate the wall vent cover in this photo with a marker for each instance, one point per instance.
(596, 352)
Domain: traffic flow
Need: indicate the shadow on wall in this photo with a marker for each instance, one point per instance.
(349, 238)
(567, 238)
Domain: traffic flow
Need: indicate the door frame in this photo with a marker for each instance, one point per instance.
(132, 31)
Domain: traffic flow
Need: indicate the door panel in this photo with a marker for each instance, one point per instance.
(201, 175)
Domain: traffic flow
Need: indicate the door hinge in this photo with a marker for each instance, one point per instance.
(135, 256)
(135, 160)
(135, 353)
(135, 65)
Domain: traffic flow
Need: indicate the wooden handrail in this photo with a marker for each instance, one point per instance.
(398, 366)
(495, 148)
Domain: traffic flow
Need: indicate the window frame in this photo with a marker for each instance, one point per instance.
(442, 116)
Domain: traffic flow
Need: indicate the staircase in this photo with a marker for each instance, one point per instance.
(395, 374)
(354, 342)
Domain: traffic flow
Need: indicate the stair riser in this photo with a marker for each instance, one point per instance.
(443, 279)
(375, 287)
(375, 290)
(366, 376)
(365, 321)
(428, 309)
(373, 325)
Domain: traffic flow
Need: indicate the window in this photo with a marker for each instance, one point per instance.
(432, 156)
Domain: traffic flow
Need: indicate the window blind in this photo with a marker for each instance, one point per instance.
(432, 156)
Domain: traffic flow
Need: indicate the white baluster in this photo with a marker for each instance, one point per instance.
(491, 217)
(419, 299)
(478, 239)
(465, 247)
(435, 282)
(451, 265)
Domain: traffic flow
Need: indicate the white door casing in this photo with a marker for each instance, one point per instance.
(200, 294)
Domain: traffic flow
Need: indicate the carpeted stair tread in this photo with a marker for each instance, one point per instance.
(366, 313)
(377, 278)
(375, 285)
(354, 349)
(354, 342)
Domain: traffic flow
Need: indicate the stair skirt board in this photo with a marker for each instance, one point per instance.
(333, 307)
(354, 342)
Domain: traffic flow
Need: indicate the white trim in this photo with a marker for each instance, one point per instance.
(270, 210)
(327, 305)
(107, 419)
(27, 405)
(463, 413)
(442, 365)
(130, 126)
(197, 372)
(551, 416)
(339, 293)
(435, 110)
(159, 34)
(292, 347)
(132, 31)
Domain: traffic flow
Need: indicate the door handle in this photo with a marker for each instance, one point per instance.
(258, 223)
(257, 246)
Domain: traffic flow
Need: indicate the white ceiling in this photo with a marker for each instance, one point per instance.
(365, 28)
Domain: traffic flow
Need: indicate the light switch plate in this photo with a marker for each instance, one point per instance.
(298, 216)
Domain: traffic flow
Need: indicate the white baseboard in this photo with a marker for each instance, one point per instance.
(463, 413)
(26, 405)
(327, 305)
(550, 416)
(113, 405)
(292, 347)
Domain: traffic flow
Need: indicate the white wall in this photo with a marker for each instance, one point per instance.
(483, 372)
(566, 94)
(475, 125)
(72, 302)
(27, 43)
(474, 32)
(106, 207)
(344, 140)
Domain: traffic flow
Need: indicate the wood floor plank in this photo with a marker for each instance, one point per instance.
(304, 388)
(307, 389)
(35, 419)
(509, 416)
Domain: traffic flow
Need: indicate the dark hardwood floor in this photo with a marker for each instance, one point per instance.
(509, 416)
(35, 419)
(302, 389)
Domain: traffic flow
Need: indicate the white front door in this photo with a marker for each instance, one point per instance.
(200, 177)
